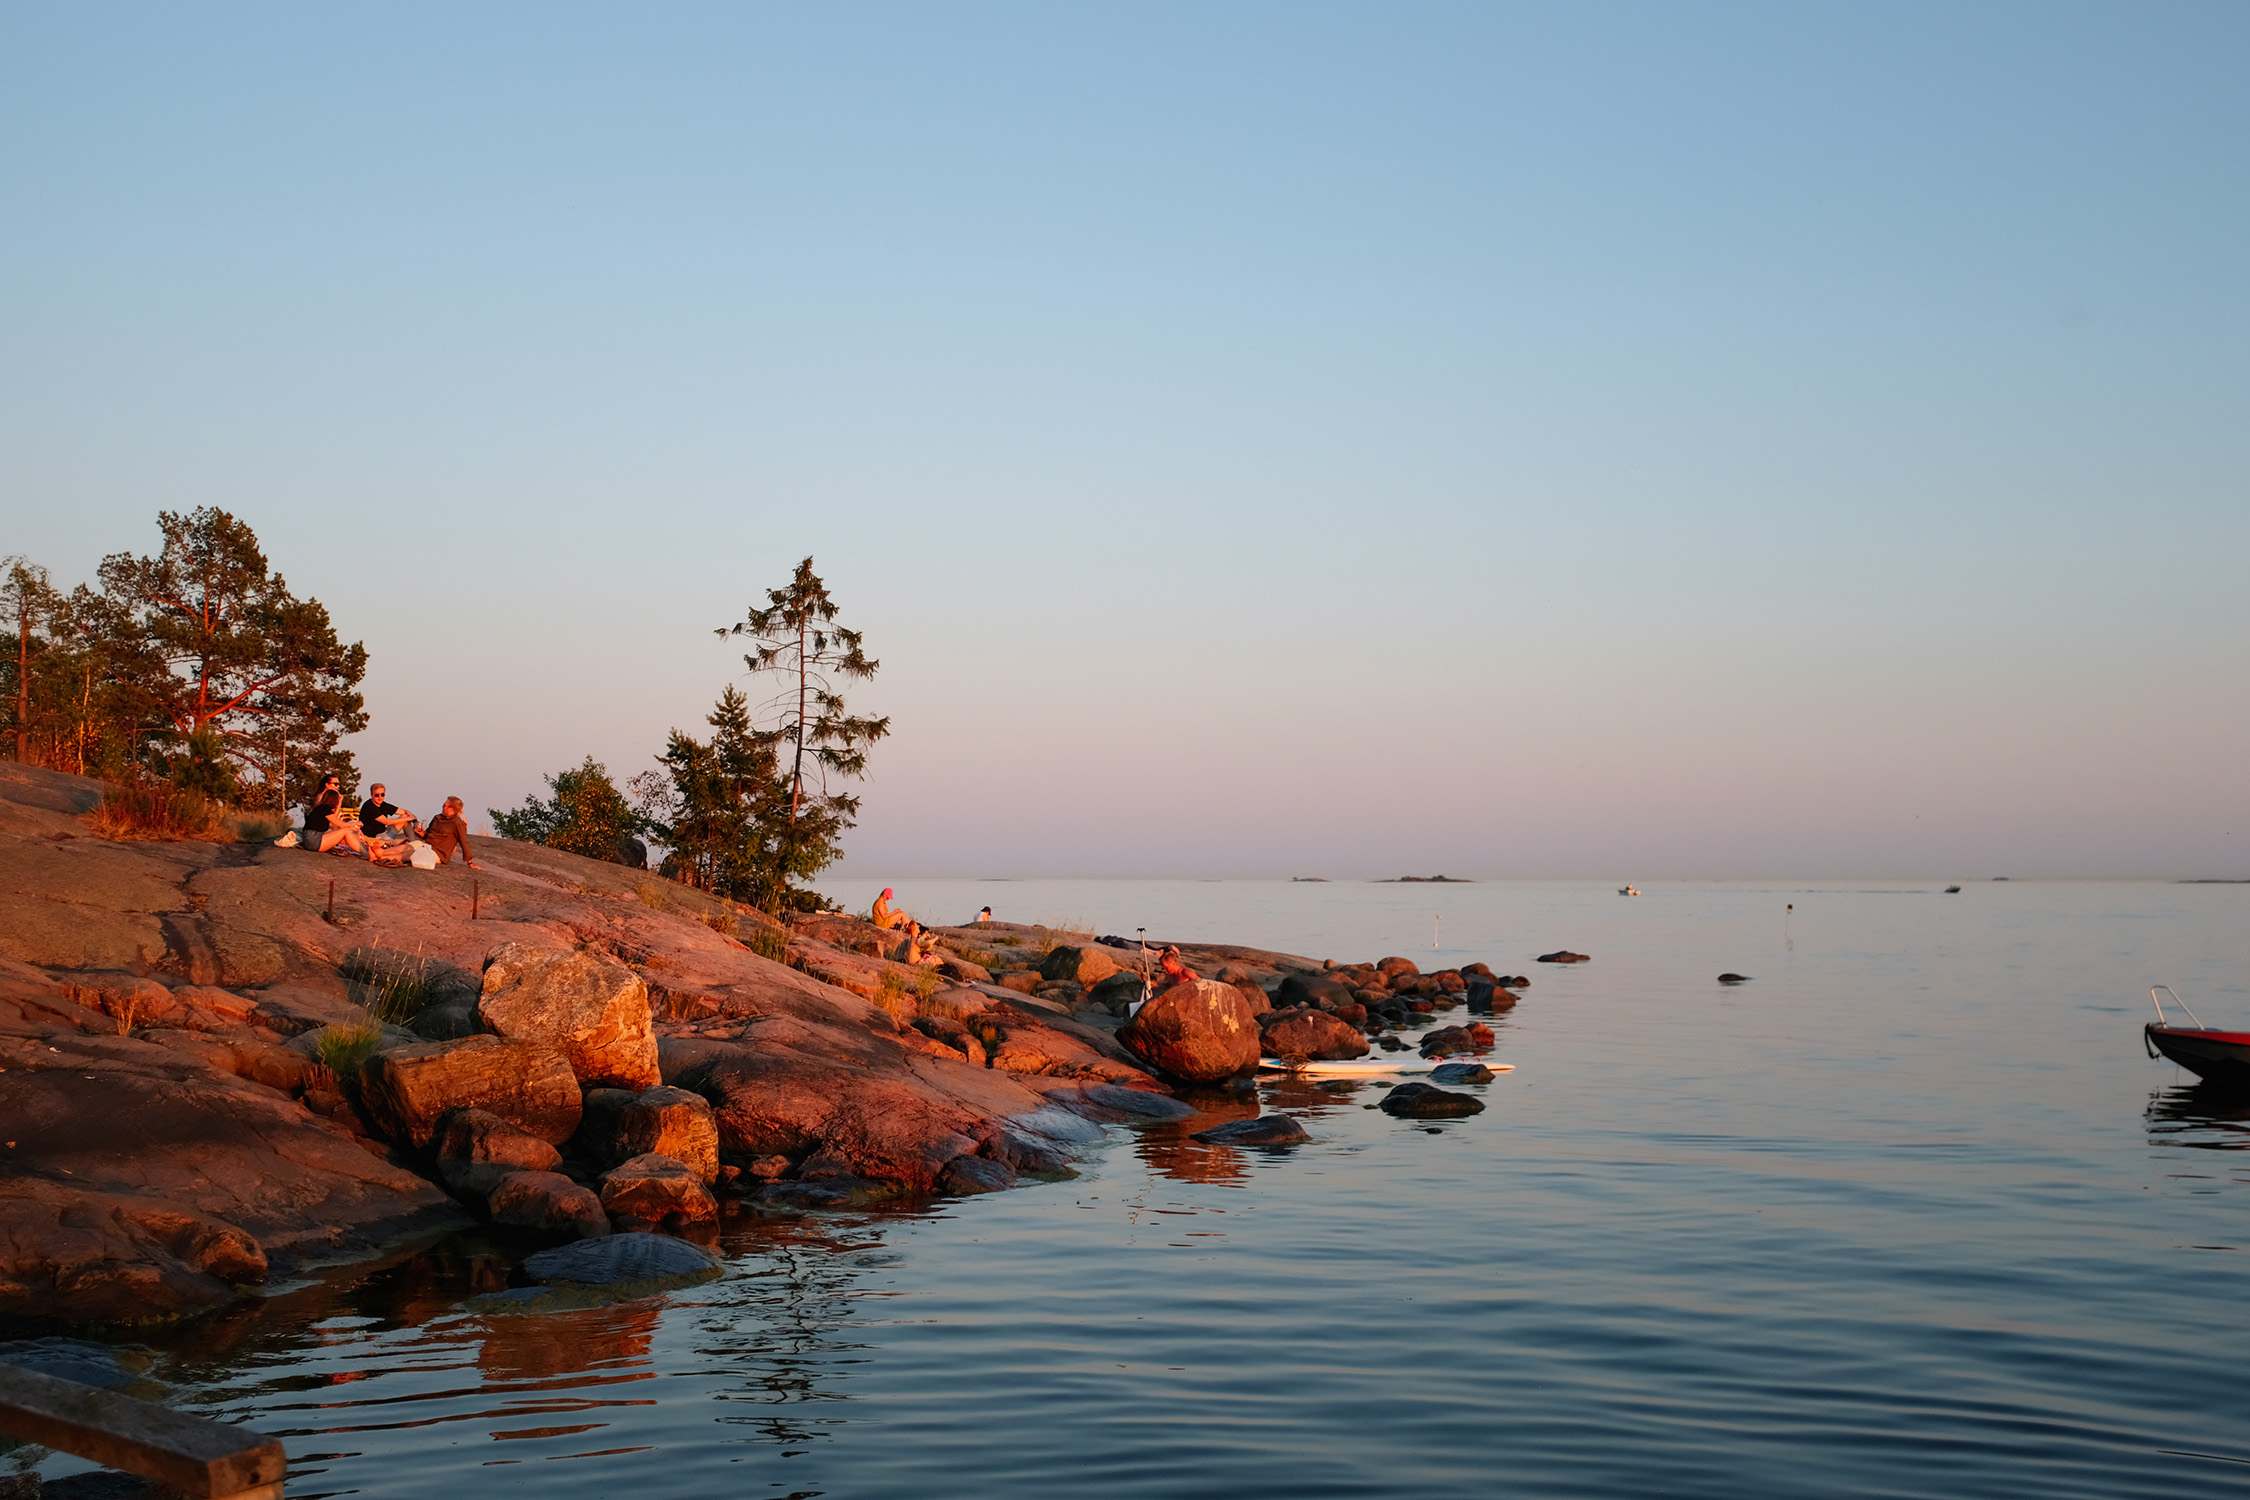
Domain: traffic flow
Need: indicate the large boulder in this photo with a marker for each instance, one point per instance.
(1310, 989)
(594, 1010)
(408, 1090)
(1263, 1130)
(1199, 1031)
(635, 1264)
(1395, 969)
(620, 1125)
(1315, 1034)
(1089, 965)
(549, 1201)
(657, 1189)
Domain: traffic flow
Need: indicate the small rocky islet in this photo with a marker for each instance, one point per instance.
(221, 1063)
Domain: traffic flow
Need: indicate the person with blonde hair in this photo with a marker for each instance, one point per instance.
(449, 831)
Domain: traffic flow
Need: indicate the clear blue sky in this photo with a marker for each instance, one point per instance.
(1256, 439)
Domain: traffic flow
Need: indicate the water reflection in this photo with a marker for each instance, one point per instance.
(2203, 1116)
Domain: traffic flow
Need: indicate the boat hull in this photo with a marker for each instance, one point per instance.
(2214, 1056)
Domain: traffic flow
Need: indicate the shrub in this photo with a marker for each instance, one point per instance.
(260, 829)
(925, 984)
(722, 922)
(891, 996)
(768, 942)
(160, 813)
(341, 1048)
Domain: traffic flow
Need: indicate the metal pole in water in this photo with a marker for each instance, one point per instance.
(1434, 921)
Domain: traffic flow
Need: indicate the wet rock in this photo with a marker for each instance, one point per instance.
(549, 1201)
(976, 1174)
(658, 1190)
(1422, 1101)
(1473, 1037)
(1396, 969)
(1390, 1044)
(407, 1090)
(1734, 979)
(1088, 965)
(593, 1010)
(1139, 1102)
(1563, 956)
(1513, 982)
(770, 1168)
(1315, 1034)
(476, 1135)
(1481, 970)
(1265, 1130)
(1200, 1031)
(1310, 989)
(626, 1264)
(1468, 1072)
(105, 1367)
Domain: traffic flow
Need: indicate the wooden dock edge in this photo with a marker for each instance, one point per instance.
(194, 1456)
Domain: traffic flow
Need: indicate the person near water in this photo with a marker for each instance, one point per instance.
(449, 831)
(1177, 971)
(984, 914)
(881, 914)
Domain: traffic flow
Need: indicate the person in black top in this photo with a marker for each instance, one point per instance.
(320, 814)
(378, 817)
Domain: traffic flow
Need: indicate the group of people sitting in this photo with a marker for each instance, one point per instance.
(384, 833)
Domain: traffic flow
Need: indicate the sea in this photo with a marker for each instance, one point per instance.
(1909, 1212)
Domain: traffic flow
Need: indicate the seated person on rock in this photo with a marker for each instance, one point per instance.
(1177, 971)
(881, 914)
(335, 828)
(378, 819)
(984, 914)
(449, 831)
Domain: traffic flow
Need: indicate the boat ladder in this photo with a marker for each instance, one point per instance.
(2176, 1000)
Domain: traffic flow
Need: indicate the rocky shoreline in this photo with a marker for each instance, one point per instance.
(220, 1063)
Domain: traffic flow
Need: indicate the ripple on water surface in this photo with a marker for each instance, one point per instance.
(1907, 1215)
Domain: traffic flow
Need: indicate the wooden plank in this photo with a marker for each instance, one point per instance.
(194, 1455)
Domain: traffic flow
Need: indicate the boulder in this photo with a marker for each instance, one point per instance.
(1474, 1037)
(1563, 956)
(1483, 970)
(1395, 969)
(961, 971)
(1022, 981)
(1265, 1130)
(621, 1125)
(547, 1200)
(476, 1135)
(1422, 1101)
(1311, 989)
(1468, 1072)
(1200, 1032)
(448, 1020)
(1139, 1102)
(408, 1090)
(1088, 965)
(626, 1264)
(1116, 992)
(1315, 1034)
(658, 1189)
(593, 1010)
(1731, 978)
(976, 1174)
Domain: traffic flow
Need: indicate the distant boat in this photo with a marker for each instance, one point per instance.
(2221, 1057)
(1628, 890)
(1953, 890)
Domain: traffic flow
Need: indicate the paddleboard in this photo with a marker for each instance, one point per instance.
(1375, 1065)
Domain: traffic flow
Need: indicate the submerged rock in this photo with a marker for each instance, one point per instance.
(1563, 956)
(1467, 1072)
(1265, 1130)
(967, 1175)
(626, 1264)
(1473, 1037)
(1422, 1101)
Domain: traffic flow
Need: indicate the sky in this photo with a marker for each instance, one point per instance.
(1633, 441)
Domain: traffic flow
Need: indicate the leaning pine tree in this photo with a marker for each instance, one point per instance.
(801, 819)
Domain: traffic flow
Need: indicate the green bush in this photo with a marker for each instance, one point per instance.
(343, 1047)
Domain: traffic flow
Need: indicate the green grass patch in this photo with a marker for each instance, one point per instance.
(397, 985)
(342, 1047)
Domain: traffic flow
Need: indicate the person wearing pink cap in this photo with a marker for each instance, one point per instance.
(881, 914)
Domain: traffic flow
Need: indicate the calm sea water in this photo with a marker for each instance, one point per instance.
(1908, 1214)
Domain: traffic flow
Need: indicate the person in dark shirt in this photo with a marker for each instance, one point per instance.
(378, 817)
(320, 814)
(448, 831)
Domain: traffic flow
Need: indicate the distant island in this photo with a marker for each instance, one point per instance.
(1308, 880)
(1425, 880)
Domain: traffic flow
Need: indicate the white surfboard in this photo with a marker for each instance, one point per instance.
(1376, 1066)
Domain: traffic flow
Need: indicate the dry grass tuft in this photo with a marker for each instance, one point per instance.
(161, 813)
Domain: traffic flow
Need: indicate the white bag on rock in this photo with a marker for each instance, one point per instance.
(287, 840)
(420, 855)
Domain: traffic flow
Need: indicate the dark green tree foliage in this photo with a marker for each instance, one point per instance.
(722, 808)
(796, 640)
(200, 643)
(585, 815)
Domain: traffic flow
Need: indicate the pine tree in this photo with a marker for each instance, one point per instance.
(814, 737)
